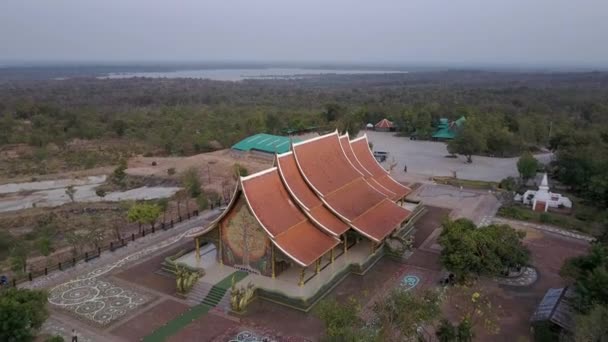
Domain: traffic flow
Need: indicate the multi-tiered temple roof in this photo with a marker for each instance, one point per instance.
(317, 192)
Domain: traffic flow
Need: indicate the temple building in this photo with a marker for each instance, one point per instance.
(447, 130)
(542, 199)
(325, 207)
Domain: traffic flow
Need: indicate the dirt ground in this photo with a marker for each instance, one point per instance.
(215, 168)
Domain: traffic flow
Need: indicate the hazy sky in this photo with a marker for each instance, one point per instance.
(551, 32)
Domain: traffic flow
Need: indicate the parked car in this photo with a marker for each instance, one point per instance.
(380, 156)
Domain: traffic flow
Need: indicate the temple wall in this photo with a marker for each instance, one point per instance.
(245, 244)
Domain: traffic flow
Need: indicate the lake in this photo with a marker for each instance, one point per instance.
(242, 74)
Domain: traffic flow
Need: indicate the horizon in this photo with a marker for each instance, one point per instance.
(517, 34)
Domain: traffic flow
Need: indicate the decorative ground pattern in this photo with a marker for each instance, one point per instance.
(99, 301)
(248, 336)
(409, 282)
(528, 277)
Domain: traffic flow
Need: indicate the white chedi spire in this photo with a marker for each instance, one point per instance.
(544, 184)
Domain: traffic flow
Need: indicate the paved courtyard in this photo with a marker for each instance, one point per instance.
(429, 158)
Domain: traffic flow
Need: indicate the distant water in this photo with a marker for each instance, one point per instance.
(242, 74)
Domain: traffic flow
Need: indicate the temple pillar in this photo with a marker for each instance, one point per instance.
(373, 247)
(198, 249)
(272, 260)
(345, 243)
(302, 273)
(318, 266)
(331, 255)
(219, 244)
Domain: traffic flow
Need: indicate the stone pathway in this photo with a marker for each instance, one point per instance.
(526, 278)
(551, 229)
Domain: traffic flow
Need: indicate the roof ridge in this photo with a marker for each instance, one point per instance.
(258, 174)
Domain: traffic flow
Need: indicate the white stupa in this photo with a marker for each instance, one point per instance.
(543, 199)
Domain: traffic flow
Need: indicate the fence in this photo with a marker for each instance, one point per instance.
(32, 274)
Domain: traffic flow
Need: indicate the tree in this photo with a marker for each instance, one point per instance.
(144, 213)
(22, 313)
(100, 193)
(119, 174)
(350, 123)
(341, 319)
(240, 171)
(333, 112)
(202, 202)
(590, 275)
(402, 312)
(44, 245)
(70, 191)
(592, 326)
(18, 257)
(468, 142)
(475, 310)
(468, 250)
(163, 203)
(191, 182)
(446, 332)
(527, 166)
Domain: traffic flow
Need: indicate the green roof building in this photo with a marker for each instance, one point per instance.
(447, 130)
(265, 143)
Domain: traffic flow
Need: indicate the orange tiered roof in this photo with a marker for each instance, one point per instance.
(360, 147)
(350, 154)
(308, 200)
(325, 166)
(289, 229)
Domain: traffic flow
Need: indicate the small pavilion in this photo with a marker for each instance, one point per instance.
(384, 125)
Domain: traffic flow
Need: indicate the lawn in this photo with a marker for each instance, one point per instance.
(584, 218)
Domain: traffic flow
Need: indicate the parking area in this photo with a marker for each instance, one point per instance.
(429, 158)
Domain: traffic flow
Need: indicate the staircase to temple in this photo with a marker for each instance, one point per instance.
(217, 295)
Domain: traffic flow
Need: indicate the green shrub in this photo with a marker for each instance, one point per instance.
(171, 171)
(44, 246)
(545, 218)
(508, 183)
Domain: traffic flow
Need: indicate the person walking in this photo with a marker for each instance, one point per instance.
(74, 336)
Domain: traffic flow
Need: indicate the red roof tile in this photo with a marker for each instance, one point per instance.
(301, 192)
(323, 164)
(305, 243)
(361, 150)
(289, 229)
(326, 168)
(384, 123)
(348, 150)
(382, 220)
(354, 199)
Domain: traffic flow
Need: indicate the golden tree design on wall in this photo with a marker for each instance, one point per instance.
(245, 237)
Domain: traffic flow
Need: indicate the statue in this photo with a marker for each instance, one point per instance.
(185, 279)
(240, 297)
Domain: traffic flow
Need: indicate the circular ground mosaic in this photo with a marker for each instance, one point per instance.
(101, 301)
(409, 281)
